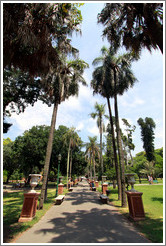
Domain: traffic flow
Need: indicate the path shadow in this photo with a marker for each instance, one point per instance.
(94, 226)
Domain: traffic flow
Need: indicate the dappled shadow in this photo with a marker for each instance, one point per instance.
(94, 226)
(153, 228)
(158, 199)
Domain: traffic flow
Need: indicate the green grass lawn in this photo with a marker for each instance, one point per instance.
(12, 206)
(152, 198)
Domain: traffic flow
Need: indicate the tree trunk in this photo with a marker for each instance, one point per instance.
(131, 157)
(68, 159)
(121, 154)
(70, 163)
(45, 195)
(94, 171)
(90, 166)
(101, 148)
(48, 155)
(114, 149)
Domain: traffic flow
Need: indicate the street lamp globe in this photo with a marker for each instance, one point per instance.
(59, 157)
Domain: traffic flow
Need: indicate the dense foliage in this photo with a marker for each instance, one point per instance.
(140, 163)
(33, 33)
(27, 153)
(134, 25)
(147, 135)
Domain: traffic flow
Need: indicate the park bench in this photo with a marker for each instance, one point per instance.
(70, 189)
(59, 199)
(155, 181)
(104, 198)
(93, 188)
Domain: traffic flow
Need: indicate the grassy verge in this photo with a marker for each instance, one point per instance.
(152, 198)
(12, 206)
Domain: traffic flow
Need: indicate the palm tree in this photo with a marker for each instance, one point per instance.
(149, 168)
(92, 150)
(60, 84)
(71, 139)
(134, 25)
(32, 46)
(100, 84)
(99, 113)
(115, 77)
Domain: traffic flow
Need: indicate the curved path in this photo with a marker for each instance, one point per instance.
(82, 218)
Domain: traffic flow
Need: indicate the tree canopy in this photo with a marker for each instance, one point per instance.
(133, 25)
(34, 32)
(147, 136)
(27, 152)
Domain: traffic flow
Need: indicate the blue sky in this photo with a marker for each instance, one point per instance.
(145, 99)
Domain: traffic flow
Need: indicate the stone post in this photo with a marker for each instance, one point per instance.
(60, 189)
(136, 209)
(29, 206)
(96, 184)
(104, 188)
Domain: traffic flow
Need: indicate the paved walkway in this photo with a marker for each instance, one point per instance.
(82, 218)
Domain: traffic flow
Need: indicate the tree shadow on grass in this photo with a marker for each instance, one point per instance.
(152, 228)
(158, 199)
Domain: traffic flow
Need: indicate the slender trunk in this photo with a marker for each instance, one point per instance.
(121, 155)
(70, 163)
(94, 171)
(91, 166)
(68, 158)
(131, 157)
(48, 155)
(45, 195)
(101, 148)
(114, 149)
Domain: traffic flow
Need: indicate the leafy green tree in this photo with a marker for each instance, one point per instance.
(19, 90)
(147, 136)
(159, 162)
(134, 25)
(30, 149)
(138, 164)
(99, 113)
(149, 168)
(9, 163)
(27, 153)
(129, 130)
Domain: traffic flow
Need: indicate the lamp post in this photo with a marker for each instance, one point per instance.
(59, 160)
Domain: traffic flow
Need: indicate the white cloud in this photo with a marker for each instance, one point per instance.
(80, 126)
(39, 114)
(131, 101)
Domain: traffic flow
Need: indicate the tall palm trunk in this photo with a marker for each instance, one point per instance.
(68, 159)
(114, 149)
(94, 171)
(91, 166)
(121, 154)
(71, 163)
(48, 155)
(101, 147)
